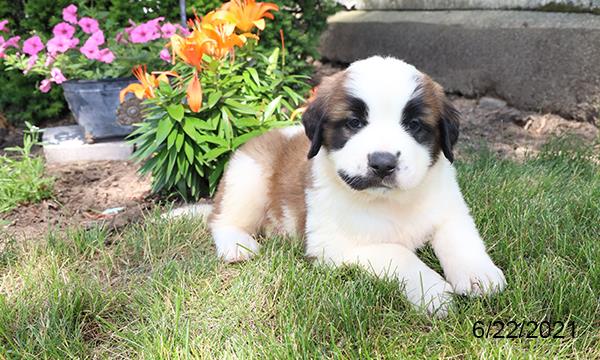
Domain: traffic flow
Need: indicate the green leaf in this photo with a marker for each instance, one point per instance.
(214, 176)
(215, 153)
(190, 129)
(171, 139)
(179, 141)
(270, 109)
(241, 108)
(273, 58)
(176, 111)
(254, 74)
(164, 128)
(213, 98)
(189, 152)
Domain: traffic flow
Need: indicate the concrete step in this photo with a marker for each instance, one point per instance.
(63, 144)
(553, 5)
(536, 61)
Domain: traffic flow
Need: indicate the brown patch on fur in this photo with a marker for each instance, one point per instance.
(286, 173)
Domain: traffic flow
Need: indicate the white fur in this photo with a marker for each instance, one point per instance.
(242, 209)
(193, 210)
(380, 228)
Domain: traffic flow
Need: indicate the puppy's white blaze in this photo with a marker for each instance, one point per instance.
(240, 213)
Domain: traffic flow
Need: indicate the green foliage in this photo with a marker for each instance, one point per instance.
(22, 177)
(185, 151)
(302, 21)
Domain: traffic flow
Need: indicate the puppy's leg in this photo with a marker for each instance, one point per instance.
(239, 209)
(423, 287)
(466, 264)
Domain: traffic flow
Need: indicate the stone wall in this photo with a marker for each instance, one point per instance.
(555, 5)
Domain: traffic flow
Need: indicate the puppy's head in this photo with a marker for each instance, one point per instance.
(382, 124)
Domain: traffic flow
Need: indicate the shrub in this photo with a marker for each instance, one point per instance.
(189, 133)
(22, 177)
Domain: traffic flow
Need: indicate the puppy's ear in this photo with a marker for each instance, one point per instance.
(449, 125)
(313, 120)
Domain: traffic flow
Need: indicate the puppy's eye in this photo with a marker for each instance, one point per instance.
(354, 124)
(414, 125)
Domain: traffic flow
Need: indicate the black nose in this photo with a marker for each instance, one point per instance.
(382, 163)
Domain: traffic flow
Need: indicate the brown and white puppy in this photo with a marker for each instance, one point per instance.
(367, 179)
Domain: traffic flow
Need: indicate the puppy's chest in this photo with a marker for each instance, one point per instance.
(410, 225)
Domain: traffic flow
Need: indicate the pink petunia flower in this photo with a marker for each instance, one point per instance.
(3, 24)
(57, 76)
(70, 14)
(45, 85)
(63, 29)
(33, 45)
(165, 55)
(89, 25)
(143, 33)
(90, 50)
(59, 45)
(168, 30)
(155, 22)
(12, 42)
(106, 56)
(98, 37)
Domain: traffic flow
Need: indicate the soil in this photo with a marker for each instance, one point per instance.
(84, 190)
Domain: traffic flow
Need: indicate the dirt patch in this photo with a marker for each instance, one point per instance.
(82, 192)
(510, 132)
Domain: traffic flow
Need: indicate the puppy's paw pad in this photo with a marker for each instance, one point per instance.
(478, 279)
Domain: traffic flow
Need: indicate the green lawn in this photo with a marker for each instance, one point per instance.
(157, 290)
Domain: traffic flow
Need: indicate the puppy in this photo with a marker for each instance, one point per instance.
(366, 180)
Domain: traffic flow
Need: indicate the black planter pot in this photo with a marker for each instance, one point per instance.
(94, 103)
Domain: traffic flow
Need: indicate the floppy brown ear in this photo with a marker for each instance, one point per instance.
(313, 120)
(449, 126)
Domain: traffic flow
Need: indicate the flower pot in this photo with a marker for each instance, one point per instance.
(94, 103)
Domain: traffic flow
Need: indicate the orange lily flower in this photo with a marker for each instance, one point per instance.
(224, 37)
(191, 49)
(246, 14)
(147, 83)
(194, 93)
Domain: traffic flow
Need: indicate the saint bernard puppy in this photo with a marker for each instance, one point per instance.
(366, 180)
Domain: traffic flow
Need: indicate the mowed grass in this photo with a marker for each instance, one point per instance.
(156, 291)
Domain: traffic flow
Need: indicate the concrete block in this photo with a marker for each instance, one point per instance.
(470, 4)
(64, 144)
(532, 60)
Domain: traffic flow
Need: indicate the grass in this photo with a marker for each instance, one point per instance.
(22, 178)
(157, 291)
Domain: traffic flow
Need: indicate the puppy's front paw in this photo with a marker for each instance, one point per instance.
(437, 301)
(435, 297)
(476, 278)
